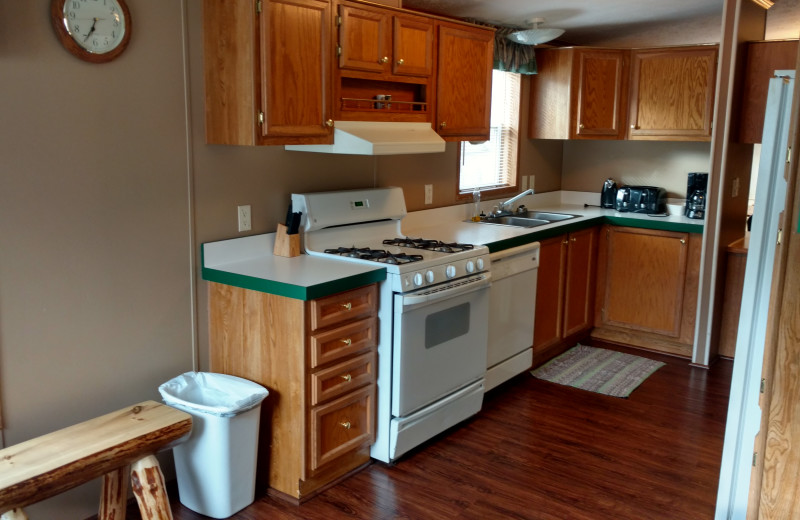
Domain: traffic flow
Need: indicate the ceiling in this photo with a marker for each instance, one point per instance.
(585, 21)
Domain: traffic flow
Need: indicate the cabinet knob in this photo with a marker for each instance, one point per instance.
(401, 61)
(580, 125)
(346, 425)
(385, 59)
(347, 377)
(347, 341)
(329, 123)
(347, 306)
(573, 239)
(443, 125)
(633, 127)
(565, 242)
(683, 241)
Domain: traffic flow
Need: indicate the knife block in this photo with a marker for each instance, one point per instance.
(286, 245)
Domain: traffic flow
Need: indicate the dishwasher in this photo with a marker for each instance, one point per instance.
(512, 304)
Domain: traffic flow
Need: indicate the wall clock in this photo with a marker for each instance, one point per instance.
(96, 31)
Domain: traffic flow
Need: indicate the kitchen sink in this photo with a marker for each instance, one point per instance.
(529, 219)
(546, 215)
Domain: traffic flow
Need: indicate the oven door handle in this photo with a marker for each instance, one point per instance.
(412, 301)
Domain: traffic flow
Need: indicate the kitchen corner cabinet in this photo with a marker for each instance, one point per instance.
(267, 71)
(763, 59)
(579, 93)
(672, 93)
(565, 292)
(465, 56)
(318, 360)
(647, 288)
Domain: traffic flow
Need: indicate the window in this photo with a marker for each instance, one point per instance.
(492, 165)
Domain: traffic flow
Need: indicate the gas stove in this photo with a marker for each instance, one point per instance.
(365, 226)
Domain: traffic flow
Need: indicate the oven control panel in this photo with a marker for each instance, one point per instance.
(445, 272)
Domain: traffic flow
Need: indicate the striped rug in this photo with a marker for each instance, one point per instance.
(598, 370)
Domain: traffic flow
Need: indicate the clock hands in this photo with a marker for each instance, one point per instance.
(91, 30)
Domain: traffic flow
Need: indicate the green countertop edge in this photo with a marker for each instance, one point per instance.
(591, 222)
(296, 292)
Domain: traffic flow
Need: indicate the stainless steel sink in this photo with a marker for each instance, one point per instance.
(529, 219)
(546, 215)
(519, 221)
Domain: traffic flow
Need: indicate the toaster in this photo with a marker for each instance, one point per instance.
(641, 199)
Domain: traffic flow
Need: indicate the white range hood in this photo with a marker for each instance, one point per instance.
(378, 138)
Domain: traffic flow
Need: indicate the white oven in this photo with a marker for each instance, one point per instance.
(440, 339)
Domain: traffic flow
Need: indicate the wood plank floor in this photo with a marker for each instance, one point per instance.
(543, 451)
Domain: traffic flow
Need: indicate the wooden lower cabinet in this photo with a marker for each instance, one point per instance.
(318, 361)
(564, 292)
(647, 288)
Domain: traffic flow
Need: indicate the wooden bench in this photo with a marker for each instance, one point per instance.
(110, 446)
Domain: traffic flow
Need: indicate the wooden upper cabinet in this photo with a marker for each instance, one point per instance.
(365, 39)
(763, 59)
(672, 93)
(412, 47)
(375, 40)
(464, 81)
(579, 93)
(296, 73)
(267, 75)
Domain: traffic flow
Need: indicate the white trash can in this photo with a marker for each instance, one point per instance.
(216, 465)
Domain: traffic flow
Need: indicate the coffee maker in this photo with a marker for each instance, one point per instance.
(696, 186)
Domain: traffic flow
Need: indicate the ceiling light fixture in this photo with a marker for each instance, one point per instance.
(537, 34)
(766, 4)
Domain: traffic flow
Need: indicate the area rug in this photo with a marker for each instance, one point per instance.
(598, 370)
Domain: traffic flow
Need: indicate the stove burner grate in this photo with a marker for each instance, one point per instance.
(428, 245)
(376, 255)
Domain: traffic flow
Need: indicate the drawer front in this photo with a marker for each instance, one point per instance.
(342, 425)
(343, 377)
(348, 339)
(345, 306)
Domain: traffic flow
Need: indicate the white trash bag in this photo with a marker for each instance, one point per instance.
(214, 394)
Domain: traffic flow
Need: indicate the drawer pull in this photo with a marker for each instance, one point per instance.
(347, 341)
(347, 377)
(347, 306)
(346, 425)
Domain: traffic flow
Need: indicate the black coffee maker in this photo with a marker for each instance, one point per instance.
(696, 195)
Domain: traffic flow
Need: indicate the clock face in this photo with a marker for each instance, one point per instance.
(98, 26)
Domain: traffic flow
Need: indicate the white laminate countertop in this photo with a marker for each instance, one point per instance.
(249, 263)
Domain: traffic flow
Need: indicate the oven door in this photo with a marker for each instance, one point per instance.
(439, 343)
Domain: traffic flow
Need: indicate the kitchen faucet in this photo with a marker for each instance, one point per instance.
(505, 207)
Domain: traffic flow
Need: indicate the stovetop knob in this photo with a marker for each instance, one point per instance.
(430, 277)
(450, 271)
(470, 266)
(418, 279)
(479, 262)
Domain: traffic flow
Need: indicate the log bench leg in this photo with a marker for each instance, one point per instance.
(148, 485)
(114, 495)
(14, 514)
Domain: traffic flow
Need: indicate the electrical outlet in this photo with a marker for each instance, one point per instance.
(429, 194)
(531, 178)
(735, 188)
(524, 183)
(244, 218)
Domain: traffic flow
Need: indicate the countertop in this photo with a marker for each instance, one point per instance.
(249, 263)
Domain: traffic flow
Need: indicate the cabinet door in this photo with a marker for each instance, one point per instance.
(464, 79)
(580, 280)
(645, 275)
(365, 39)
(600, 94)
(547, 325)
(672, 93)
(296, 70)
(412, 51)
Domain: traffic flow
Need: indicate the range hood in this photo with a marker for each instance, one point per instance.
(378, 138)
